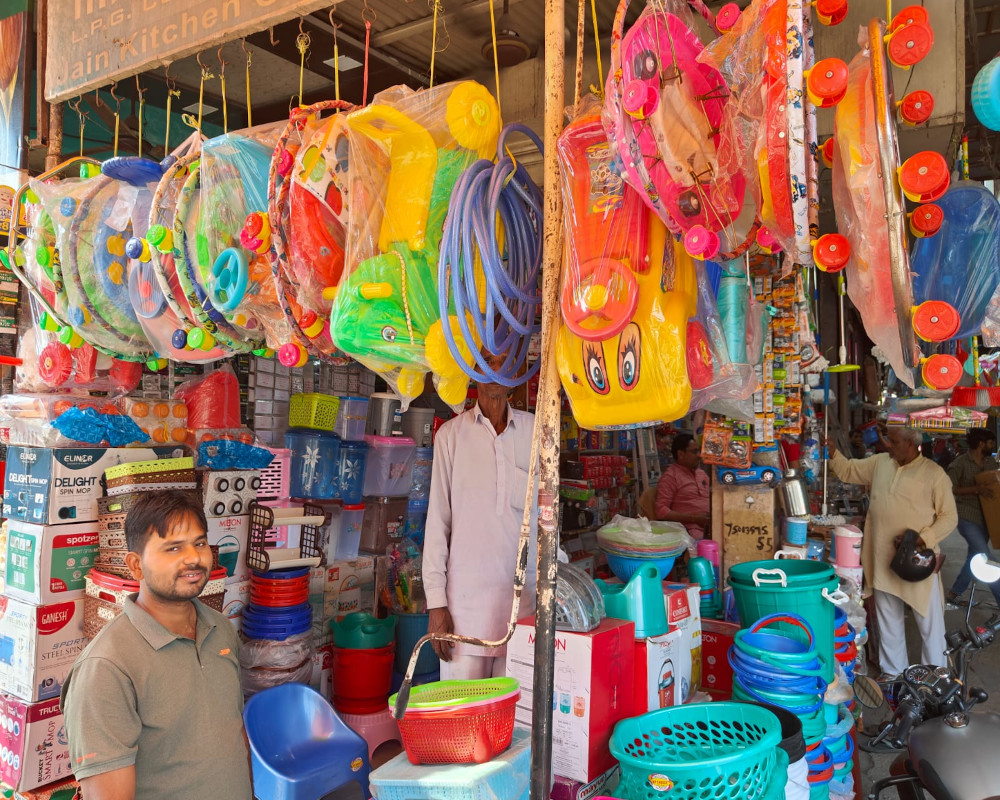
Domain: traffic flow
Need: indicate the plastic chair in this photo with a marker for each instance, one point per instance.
(300, 748)
(376, 729)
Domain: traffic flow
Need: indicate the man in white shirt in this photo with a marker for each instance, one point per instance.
(478, 489)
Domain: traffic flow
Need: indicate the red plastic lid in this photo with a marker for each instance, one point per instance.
(826, 152)
(108, 581)
(701, 242)
(942, 372)
(917, 107)
(908, 16)
(831, 252)
(831, 12)
(215, 574)
(55, 364)
(389, 441)
(827, 81)
(354, 507)
(925, 176)
(727, 17)
(766, 241)
(926, 220)
(910, 44)
(936, 321)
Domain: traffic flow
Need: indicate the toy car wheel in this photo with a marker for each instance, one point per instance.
(767, 476)
(728, 478)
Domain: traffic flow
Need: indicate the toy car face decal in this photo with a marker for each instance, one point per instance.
(597, 370)
(629, 357)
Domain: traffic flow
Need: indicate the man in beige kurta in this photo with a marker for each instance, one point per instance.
(906, 491)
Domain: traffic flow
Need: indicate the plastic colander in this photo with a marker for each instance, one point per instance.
(702, 751)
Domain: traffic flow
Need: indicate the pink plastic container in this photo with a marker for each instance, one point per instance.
(847, 546)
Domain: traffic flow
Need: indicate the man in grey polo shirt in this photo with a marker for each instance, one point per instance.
(153, 706)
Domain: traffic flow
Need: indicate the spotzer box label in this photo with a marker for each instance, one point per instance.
(61, 485)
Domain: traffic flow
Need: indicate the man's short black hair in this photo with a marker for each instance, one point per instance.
(680, 443)
(156, 512)
(977, 436)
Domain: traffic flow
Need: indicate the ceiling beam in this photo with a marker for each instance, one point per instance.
(422, 26)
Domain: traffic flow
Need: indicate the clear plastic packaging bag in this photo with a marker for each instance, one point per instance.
(30, 420)
(265, 663)
(387, 304)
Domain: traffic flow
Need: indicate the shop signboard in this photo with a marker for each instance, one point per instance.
(94, 42)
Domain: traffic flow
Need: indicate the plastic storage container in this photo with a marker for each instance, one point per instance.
(315, 411)
(351, 520)
(315, 464)
(389, 471)
(351, 418)
(418, 424)
(409, 630)
(416, 520)
(420, 484)
(353, 459)
(384, 522)
(362, 679)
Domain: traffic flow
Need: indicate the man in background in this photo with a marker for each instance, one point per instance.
(971, 521)
(682, 491)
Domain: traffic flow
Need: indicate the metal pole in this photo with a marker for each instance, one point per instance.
(547, 409)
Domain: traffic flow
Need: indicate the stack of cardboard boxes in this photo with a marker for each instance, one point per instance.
(50, 506)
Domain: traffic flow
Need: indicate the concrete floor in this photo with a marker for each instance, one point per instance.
(984, 671)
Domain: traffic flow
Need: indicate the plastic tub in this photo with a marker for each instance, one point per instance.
(416, 520)
(762, 588)
(409, 629)
(359, 630)
(315, 464)
(351, 418)
(362, 679)
(384, 522)
(351, 472)
(420, 485)
(351, 521)
(389, 471)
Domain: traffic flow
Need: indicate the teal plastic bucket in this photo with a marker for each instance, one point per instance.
(806, 588)
(409, 630)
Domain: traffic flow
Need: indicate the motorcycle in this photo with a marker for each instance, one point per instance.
(948, 751)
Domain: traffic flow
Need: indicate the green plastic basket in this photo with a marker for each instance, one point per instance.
(315, 411)
(454, 694)
(702, 751)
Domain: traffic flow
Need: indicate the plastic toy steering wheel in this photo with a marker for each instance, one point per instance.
(596, 297)
(231, 272)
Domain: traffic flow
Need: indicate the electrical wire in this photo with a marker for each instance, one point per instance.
(495, 213)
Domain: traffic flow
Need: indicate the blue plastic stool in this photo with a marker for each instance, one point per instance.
(506, 777)
(300, 748)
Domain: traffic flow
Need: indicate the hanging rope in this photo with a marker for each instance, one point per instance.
(581, 24)
(222, 80)
(81, 120)
(496, 57)
(205, 75)
(336, 57)
(368, 15)
(249, 53)
(302, 42)
(118, 115)
(171, 94)
(434, 36)
(597, 47)
(142, 103)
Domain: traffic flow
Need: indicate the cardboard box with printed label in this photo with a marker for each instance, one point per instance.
(662, 670)
(716, 673)
(350, 586)
(61, 485)
(33, 739)
(593, 691)
(743, 522)
(38, 645)
(683, 606)
(565, 789)
(231, 534)
(234, 600)
(63, 790)
(49, 563)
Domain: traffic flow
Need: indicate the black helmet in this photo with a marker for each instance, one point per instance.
(910, 562)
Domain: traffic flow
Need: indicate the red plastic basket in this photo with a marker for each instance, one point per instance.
(459, 736)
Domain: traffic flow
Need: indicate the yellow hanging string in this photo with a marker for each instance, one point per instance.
(118, 116)
(888, 11)
(171, 94)
(249, 59)
(222, 81)
(434, 38)
(302, 44)
(496, 59)
(205, 75)
(336, 65)
(597, 46)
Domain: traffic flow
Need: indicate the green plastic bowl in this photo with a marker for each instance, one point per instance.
(359, 630)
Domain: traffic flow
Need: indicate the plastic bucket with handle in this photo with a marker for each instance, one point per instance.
(847, 546)
(810, 588)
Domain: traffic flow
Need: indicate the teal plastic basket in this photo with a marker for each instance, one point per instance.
(702, 751)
